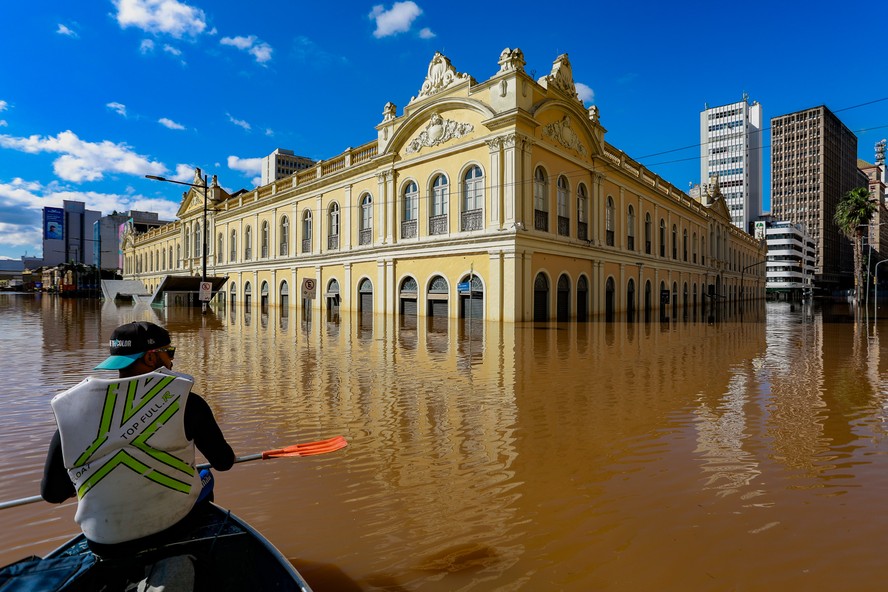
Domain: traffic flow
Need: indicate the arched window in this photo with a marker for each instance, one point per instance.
(609, 221)
(333, 227)
(306, 231)
(648, 231)
(563, 192)
(285, 236)
(694, 247)
(702, 249)
(684, 242)
(540, 200)
(172, 263)
(366, 229)
(440, 196)
(219, 247)
(197, 241)
(662, 237)
(582, 213)
(473, 199)
(179, 256)
(674, 242)
(233, 247)
(630, 231)
(264, 239)
(248, 243)
(410, 209)
(187, 242)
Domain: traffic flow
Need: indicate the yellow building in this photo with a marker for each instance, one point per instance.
(499, 199)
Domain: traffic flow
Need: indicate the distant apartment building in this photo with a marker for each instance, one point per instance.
(68, 234)
(282, 163)
(731, 147)
(790, 260)
(108, 234)
(813, 165)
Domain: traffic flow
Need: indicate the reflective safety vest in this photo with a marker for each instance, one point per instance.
(124, 446)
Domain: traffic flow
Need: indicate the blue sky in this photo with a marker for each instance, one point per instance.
(95, 95)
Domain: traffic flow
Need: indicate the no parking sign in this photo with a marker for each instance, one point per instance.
(309, 288)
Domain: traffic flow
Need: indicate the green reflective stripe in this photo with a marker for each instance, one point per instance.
(166, 458)
(130, 408)
(125, 459)
(104, 426)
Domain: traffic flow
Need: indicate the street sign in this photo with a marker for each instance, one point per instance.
(464, 287)
(309, 289)
(206, 291)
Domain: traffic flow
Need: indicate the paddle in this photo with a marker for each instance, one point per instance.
(304, 449)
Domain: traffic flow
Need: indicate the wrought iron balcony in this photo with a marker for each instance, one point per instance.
(472, 220)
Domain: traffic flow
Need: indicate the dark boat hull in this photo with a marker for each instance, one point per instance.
(228, 555)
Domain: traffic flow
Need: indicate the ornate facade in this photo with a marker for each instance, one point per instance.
(498, 199)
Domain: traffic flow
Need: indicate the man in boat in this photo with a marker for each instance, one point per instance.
(125, 446)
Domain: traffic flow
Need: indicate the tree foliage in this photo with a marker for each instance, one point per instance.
(853, 215)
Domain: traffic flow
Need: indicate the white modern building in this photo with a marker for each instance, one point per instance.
(282, 163)
(790, 260)
(731, 147)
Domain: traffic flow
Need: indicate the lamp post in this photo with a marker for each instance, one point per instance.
(203, 242)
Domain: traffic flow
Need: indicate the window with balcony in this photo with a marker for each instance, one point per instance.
(473, 199)
(366, 229)
(440, 197)
(540, 200)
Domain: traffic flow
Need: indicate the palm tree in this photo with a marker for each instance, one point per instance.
(853, 215)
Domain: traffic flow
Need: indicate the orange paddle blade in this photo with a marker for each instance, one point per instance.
(308, 448)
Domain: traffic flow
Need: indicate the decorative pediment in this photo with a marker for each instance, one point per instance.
(561, 132)
(561, 77)
(438, 131)
(441, 75)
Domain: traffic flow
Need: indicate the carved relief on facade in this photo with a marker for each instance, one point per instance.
(561, 132)
(441, 75)
(561, 77)
(438, 131)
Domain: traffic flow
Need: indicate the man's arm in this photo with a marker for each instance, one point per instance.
(56, 486)
(201, 427)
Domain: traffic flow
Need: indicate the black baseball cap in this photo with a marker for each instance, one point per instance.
(129, 342)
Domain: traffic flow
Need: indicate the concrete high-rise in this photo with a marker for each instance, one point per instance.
(813, 164)
(282, 163)
(731, 147)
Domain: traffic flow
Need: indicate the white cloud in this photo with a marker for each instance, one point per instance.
(587, 95)
(22, 203)
(239, 122)
(63, 30)
(427, 33)
(172, 50)
(4, 105)
(184, 173)
(85, 161)
(260, 50)
(169, 123)
(269, 132)
(3, 123)
(398, 19)
(245, 165)
(118, 108)
(147, 46)
(168, 17)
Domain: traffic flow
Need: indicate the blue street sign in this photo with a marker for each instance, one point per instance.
(463, 287)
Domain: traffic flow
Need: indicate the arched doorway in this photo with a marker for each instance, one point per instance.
(582, 299)
(263, 297)
(675, 301)
(332, 299)
(471, 301)
(541, 298)
(630, 300)
(285, 299)
(563, 305)
(365, 303)
(232, 289)
(407, 303)
(648, 301)
(248, 296)
(609, 300)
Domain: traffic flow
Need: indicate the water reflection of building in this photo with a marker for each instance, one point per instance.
(499, 199)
